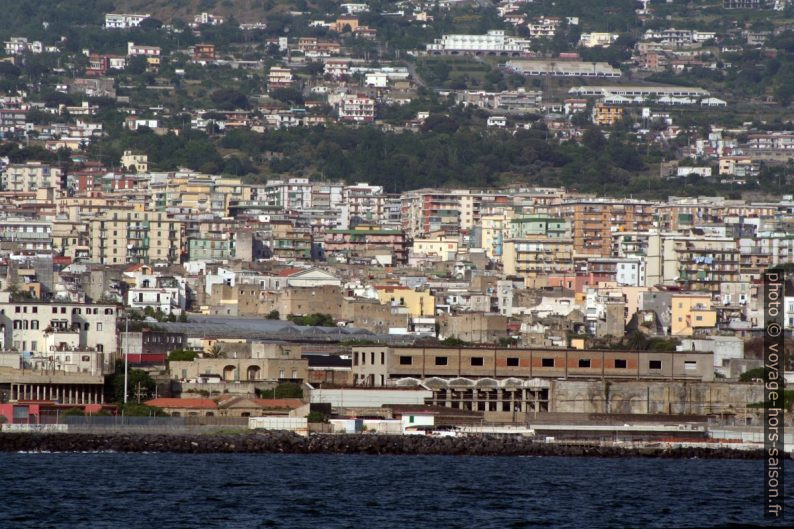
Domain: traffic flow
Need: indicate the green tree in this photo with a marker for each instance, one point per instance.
(752, 374)
(140, 384)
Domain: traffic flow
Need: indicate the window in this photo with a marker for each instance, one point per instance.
(654, 364)
(584, 362)
(620, 363)
(372, 358)
(86, 358)
(406, 360)
(698, 318)
(98, 326)
(476, 361)
(547, 362)
(441, 360)
(382, 358)
(690, 364)
(512, 361)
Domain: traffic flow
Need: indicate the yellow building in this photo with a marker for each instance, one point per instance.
(443, 247)
(416, 302)
(493, 234)
(691, 312)
(606, 115)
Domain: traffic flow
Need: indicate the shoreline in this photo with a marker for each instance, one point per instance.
(288, 443)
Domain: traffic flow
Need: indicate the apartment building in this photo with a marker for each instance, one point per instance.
(30, 176)
(692, 261)
(691, 312)
(532, 257)
(124, 20)
(494, 42)
(290, 242)
(593, 221)
(606, 115)
(38, 327)
(279, 77)
(362, 203)
(366, 241)
(26, 235)
(357, 107)
(291, 194)
(122, 236)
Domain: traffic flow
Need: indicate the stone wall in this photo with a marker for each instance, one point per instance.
(663, 397)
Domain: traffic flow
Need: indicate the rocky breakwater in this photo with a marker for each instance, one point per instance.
(284, 442)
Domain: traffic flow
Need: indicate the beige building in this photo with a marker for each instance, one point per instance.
(538, 256)
(121, 236)
(474, 327)
(138, 163)
(696, 262)
(30, 176)
(265, 362)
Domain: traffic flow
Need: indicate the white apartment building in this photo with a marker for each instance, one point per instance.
(142, 50)
(279, 77)
(29, 326)
(21, 45)
(292, 194)
(166, 299)
(592, 40)
(356, 108)
(362, 203)
(124, 20)
(495, 41)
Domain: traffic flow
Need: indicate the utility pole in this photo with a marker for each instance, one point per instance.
(126, 356)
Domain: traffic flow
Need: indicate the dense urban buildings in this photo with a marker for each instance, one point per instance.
(532, 211)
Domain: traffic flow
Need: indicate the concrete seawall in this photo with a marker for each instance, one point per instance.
(282, 442)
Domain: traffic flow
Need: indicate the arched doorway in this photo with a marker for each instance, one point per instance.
(253, 373)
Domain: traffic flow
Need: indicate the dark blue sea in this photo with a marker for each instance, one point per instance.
(166, 491)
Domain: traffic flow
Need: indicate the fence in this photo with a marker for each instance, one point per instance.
(162, 425)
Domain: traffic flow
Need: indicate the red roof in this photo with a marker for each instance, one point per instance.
(197, 404)
(286, 272)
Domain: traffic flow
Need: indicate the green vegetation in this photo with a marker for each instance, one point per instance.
(182, 355)
(317, 417)
(286, 390)
(752, 374)
(312, 320)
(140, 384)
(455, 342)
(273, 315)
(132, 409)
(788, 401)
